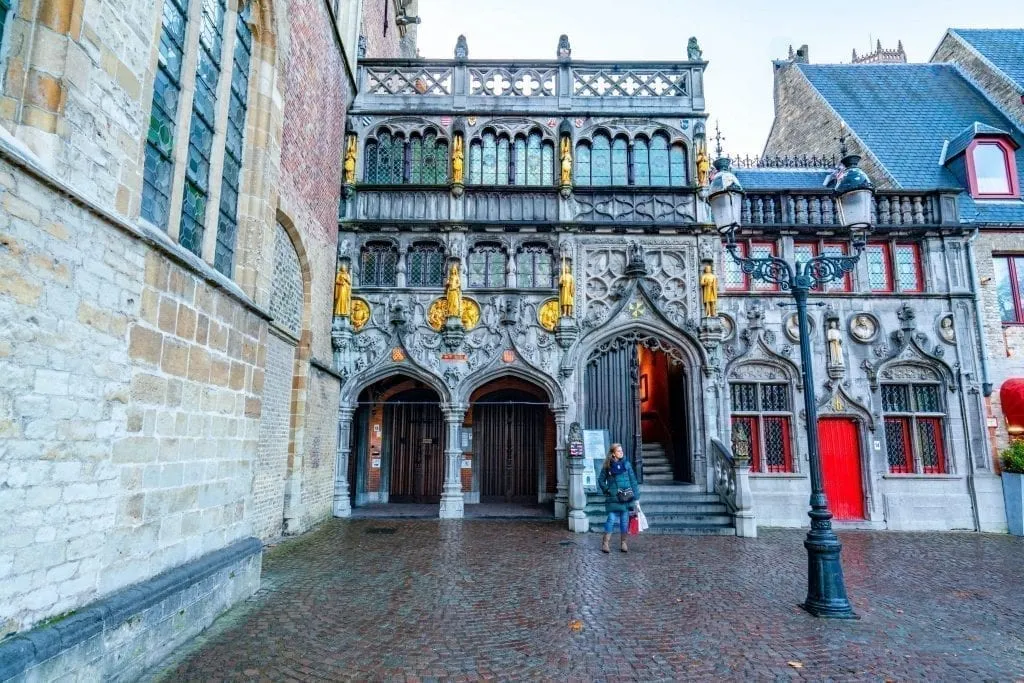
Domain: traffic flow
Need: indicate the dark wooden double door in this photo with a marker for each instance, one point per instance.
(508, 442)
(414, 438)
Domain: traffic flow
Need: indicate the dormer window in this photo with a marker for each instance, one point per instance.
(992, 170)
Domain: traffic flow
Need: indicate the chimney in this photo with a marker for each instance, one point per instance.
(803, 55)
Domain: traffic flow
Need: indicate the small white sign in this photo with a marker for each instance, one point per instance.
(467, 464)
(375, 463)
(992, 423)
(376, 429)
(877, 444)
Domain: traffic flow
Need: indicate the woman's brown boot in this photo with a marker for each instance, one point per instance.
(622, 544)
(604, 543)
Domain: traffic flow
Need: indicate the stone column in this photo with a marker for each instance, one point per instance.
(711, 334)
(578, 521)
(562, 491)
(342, 505)
(452, 505)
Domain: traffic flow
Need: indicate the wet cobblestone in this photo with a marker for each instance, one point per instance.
(498, 600)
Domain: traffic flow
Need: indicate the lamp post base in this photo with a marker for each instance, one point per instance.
(826, 591)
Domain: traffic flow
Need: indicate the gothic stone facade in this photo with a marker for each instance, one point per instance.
(635, 237)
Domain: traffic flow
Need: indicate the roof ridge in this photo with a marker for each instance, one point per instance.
(1014, 126)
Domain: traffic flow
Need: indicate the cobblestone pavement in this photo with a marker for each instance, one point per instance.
(531, 601)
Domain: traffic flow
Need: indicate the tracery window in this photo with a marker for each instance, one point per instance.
(425, 265)
(602, 161)
(378, 265)
(203, 133)
(526, 160)
(391, 159)
(913, 415)
(534, 267)
(761, 419)
(486, 265)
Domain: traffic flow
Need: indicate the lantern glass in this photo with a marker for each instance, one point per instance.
(725, 207)
(855, 208)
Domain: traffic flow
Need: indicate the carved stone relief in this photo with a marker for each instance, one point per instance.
(863, 327)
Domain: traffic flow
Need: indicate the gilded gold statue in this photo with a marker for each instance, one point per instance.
(566, 159)
(566, 289)
(453, 292)
(343, 292)
(703, 166)
(350, 160)
(458, 160)
(709, 291)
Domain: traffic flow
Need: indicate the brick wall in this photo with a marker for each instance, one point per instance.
(275, 429)
(321, 441)
(383, 36)
(994, 83)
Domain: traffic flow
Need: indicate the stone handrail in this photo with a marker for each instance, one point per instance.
(889, 209)
(732, 484)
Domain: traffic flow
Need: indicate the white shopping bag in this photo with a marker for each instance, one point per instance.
(641, 518)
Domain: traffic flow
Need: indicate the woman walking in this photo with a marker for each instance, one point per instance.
(618, 482)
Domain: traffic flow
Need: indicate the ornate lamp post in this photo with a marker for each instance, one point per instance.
(826, 591)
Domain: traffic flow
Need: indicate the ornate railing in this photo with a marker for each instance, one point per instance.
(811, 162)
(890, 209)
(731, 479)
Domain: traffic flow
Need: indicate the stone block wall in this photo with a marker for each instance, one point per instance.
(994, 83)
(321, 446)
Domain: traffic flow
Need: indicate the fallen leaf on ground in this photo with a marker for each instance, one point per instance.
(576, 625)
(796, 665)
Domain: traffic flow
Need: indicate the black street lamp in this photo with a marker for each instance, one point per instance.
(826, 591)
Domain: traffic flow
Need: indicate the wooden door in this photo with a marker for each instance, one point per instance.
(508, 440)
(839, 443)
(416, 442)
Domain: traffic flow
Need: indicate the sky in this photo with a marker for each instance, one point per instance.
(740, 38)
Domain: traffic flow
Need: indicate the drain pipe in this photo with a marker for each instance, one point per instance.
(971, 489)
(986, 383)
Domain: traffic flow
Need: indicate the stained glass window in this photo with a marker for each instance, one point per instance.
(385, 159)
(524, 161)
(581, 174)
(879, 279)
(547, 164)
(533, 160)
(490, 160)
(227, 229)
(761, 417)
(1009, 282)
(734, 278)
(677, 166)
(913, 428)
(533, 266)
(475, 163)
(601, 161)
(429, 160)
(762, 250)
(425, 265)
(201, 128)
(158, 170)
(486, 266)
(844, 284)
(503, 171)
(908, 267)
(620, 162)
(660, 172)
(378, 265)
(641, 163)
(519, 161)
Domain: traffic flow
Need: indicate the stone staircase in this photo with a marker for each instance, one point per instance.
(671, 507)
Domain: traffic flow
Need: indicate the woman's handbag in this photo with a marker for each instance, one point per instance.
(641, 518)
(624, 495)
(634, 525)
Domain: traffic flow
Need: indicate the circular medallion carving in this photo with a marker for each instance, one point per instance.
(438, 312)
(360, 313)
(792, 327)
(946, 331)
(863, 327)
(547, 314)
(728, 326)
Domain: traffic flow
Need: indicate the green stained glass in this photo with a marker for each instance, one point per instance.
(533, 160)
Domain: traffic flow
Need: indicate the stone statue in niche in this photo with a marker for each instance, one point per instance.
(566, 290)
(566, 160)
(350, 160)
(343, 292)
(458, 160)
(946, 329)
(703, 165)
(835, 343)
(453, 292)
(709, 291)
(693, 51)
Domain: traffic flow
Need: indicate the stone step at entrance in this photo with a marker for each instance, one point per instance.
(672, 508)
(657, 468)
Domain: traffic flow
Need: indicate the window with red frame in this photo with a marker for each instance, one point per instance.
(805, 251)
(1009, 277)
(736, 280)
(761, 416)
(913, 415)
(992, 169)
(894, 267)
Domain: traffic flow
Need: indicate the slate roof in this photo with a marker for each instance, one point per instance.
(905, 113)
(754, 179)
(960, 143)
(1003, 47)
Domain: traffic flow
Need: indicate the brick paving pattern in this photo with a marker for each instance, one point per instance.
(498, 600)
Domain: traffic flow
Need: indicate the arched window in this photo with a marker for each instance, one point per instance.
(203, 133)
(425, 265)
(528, 160)
(486, 265)
(581, 174)
(641, 163)
(378, 264)
(660, 173)
(429, 164)
(601, 161)
(913, 415)
(385, 159)
(677, 165)
(761, 424)
(620, 161)
(534, 267)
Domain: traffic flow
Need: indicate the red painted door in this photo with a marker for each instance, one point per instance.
(839, 442)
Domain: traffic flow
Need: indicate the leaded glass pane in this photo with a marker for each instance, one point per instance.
(641, 163)
(677, 166)
(378, 265)
(774, 398)
(897, 445)
(762, 251)
(601, 162)
(895, 398)
(734, 277)
(744, 398)
(843, 284)
(370, 156)
(486, 266)
(533, 160)
(503, 161)
(908, 268)
(396, 157)
(533, 267)
(429, 160)
(803, 252)
(490, 160)
(620, 162)
(547, 165)
(926, 398)
(158, 168)
(582, 170)
(929, 434)
(878, 268)
(425, 265)
(475, 164)
(744, 440)
(416, 159)
(776, 444)
(519, 160)
(660, 173)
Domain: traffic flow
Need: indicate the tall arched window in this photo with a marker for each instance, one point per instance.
(534, 266)
(495, 159)
(378, 265)
(204, 133)
(620, 161)
(642, 163)
(429, 165)
(385, 159)
(601, 161)
(660, 173)
(486, 265)
(425, 265)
